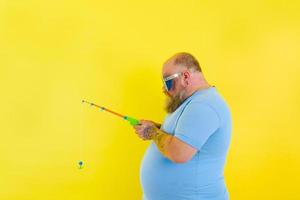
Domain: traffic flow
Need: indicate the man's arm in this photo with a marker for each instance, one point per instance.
(170, 146)
(173, 148)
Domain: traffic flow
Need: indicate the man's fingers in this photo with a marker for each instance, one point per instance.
(140, 129)
(140, 135)
(137, 126)
(138, 132)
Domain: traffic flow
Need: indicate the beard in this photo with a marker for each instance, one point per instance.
(172, 103)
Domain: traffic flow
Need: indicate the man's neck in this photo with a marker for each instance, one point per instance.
(198, 88)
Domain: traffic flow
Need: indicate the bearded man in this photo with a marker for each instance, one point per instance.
(187, 154)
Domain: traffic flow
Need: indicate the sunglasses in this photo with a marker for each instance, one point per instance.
(169, 81)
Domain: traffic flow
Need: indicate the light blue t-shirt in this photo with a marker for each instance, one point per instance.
(203, 121)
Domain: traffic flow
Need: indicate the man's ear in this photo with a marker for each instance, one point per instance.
(186, 76)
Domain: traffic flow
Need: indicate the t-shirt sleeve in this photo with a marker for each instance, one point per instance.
(196, 124)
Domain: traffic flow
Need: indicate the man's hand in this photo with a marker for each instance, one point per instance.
(147, 129)
(171, 147)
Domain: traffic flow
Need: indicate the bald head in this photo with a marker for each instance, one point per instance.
(185, 60)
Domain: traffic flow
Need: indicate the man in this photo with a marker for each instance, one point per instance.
(188, 151)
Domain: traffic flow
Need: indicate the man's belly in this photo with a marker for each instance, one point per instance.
(163, 179)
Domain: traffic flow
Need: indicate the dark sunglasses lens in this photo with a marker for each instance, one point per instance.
(169, 84)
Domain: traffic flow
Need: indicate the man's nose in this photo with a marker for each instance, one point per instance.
(165, 91)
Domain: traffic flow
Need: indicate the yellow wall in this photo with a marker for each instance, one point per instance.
(54, 53)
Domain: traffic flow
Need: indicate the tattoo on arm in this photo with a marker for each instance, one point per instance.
(149, 132)
(162, 140)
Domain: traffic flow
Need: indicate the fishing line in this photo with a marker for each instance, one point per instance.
(131, 120)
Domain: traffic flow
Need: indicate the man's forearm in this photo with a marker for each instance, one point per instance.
(168, 145)
(162, 141)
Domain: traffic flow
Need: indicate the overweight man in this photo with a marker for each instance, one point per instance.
(187, 154)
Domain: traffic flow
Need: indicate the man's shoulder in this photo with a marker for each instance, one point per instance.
(213, 99)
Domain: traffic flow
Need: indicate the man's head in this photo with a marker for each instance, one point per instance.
(182, 76)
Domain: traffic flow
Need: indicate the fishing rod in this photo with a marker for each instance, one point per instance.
(131, 120)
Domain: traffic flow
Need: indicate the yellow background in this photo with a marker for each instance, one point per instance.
(54, 53)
